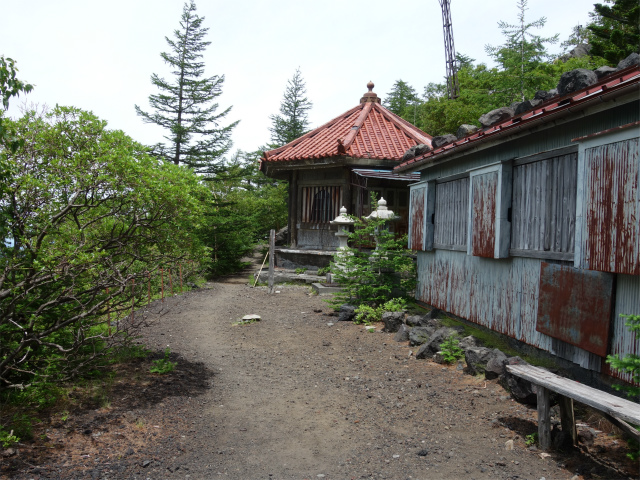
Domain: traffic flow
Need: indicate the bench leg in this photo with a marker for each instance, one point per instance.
(567, 418)
(544, 418)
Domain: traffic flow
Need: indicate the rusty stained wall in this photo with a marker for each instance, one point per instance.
(627, 303)
(612, 208)
(416, 219)
(498, 294)
(575, 306)
(483, 214)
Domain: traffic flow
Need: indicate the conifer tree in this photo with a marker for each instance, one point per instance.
(186, 105)
(615, 31)
(402, 100)
(293, 121)
(521, 55)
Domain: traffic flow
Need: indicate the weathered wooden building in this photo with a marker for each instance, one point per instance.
(339, 164)
(531, 227)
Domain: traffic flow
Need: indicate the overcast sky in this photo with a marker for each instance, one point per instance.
(99, 55)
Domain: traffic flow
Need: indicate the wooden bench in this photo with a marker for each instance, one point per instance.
(622, 412)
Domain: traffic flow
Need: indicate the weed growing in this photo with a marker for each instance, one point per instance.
(450, 350)
(164, 365)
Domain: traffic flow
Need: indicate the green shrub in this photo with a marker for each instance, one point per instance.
(450, 349)
(164, 365)
(324, 270)
(300, 271)
(629, 363)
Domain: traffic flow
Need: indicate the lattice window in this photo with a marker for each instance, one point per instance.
(320, 204)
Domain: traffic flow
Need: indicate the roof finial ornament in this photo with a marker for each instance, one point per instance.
(370, 96)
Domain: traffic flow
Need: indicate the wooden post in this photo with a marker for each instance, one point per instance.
(149, 293)
(567, 418)
(272, 243)
(133, 299)
(170, 283)
(544, 418)
(162, 284)
(180, 278)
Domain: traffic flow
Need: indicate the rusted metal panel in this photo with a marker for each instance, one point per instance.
(451, 212)
(612, 207)
(575, 306)
(416, 217)
(483, 214)
(500, 295)
(623, 341)
(544, 205)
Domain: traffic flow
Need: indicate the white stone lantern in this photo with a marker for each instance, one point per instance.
(383, 213)
(343, 222)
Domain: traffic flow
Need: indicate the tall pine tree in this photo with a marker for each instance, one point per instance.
(521, 56)
(402, 100)
(615, 30)
(293, 121)
(186, 105)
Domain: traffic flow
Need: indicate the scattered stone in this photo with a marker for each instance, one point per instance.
(9, 452)
(586, 437)
(468, 342)
(576, 80)
(281, 236)
(416, 151)
(496, 116)
(495, 365)
(402, 335)
(477, 359)
(633, 59)
(129, 451)
(414, 320)
(441, 140)
(146, 463)
(420, 335)
(526, 106)
(581, 50)
(423, 453)
(392, 321)
(433, 314)
(251, 318)
(521, 390)
(603, 71)
(508, 445)
(347, 313)
(438, 357)
(545, 95)
(465, 130)
(326, 343)
(429, 349)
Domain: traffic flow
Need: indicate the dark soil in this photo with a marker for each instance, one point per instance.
(297, 395)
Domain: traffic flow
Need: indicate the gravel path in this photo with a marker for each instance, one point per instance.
(298, 395)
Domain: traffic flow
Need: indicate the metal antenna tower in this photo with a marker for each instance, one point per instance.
(453, 90)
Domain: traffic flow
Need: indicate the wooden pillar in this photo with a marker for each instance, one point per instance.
(544, 418)
(567, 418)
(293, 209)
(272, 242)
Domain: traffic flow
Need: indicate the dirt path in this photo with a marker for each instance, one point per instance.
(299, 396)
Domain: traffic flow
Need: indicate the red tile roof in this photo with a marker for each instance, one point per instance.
(366, 131)
(615, 84)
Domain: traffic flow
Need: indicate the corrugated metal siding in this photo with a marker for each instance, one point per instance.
(451, 213)
(483, 216)
(544, 205)
(575, 306)
(416, 219)
(500, 295)
(627, 303)
(612, 204)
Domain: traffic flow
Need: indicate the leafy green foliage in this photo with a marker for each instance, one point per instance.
(450, 349)
(368, 314)
(531, 439)
(402, 100)
(8, 439)
(521, 56)
(293, 121)
(186, 105)
(373, 277)
(87, 213)
(615, 29)
(163, 365)
(630, 363)
(244, 206)
(324, 270)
